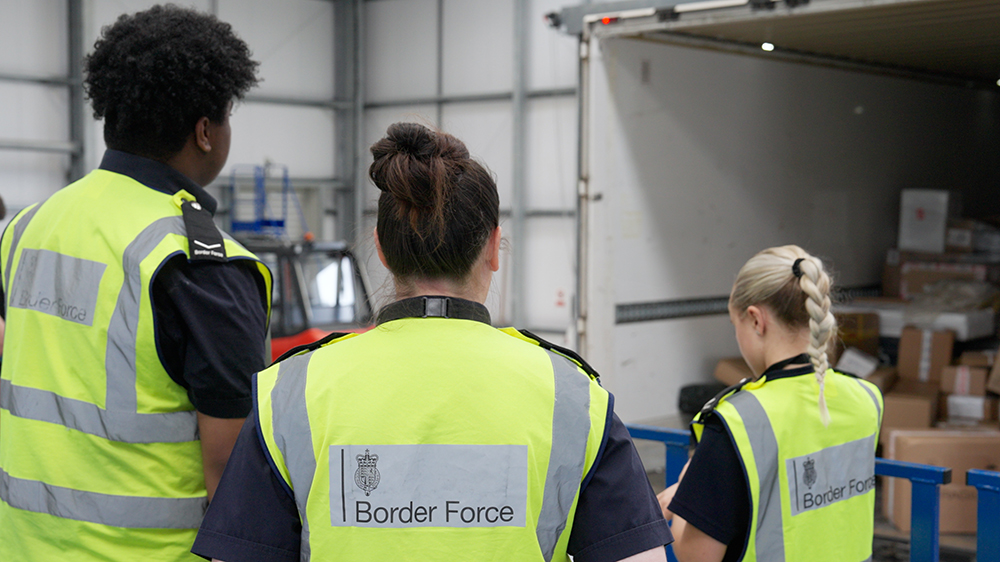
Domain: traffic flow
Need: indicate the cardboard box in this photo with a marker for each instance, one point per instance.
(923, 218)
(924, 353)
(895, 259)
(731, 371)
(967, 425)
(993, 383)
(884, 378)
(972, 408)
(895, 314)
(978, 358)
(959, 450)
(910, 405)
(964, 380)
(858, 329)
(916, 276)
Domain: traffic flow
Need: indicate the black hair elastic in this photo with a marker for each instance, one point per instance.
(796, 270)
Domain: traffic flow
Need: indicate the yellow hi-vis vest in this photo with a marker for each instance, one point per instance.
(432, 439)
(99, 450)
(812, 488)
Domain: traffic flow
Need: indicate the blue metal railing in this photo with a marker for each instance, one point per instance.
(925, 507)
(925, 504)
(987, 484)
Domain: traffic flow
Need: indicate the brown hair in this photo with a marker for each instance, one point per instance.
(796, 287)
(438, 206)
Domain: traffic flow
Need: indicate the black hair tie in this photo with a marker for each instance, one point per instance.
(796, 270)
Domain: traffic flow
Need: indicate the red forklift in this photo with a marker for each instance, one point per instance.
(319, 287)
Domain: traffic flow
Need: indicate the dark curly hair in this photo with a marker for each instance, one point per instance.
(154, 74)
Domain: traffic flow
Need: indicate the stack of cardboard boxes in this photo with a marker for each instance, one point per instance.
(939, 410)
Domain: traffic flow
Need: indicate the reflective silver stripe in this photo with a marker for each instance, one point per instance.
(874, 398)
(770, 532)
(293, 436)
(119, 421)
(122, 331)
(570, 429)
(14, 241)
(123, 427)
(58, 285)
(119, 511)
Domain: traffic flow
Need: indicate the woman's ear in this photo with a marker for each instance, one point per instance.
(759, 318)
(493, 247)
(378, 249)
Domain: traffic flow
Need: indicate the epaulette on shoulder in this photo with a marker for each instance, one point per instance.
(710, 406)
(322, 342)
(565, 352)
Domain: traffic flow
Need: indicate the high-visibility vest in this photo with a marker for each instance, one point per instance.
(433, 439)
(99, 450)
(812, 487)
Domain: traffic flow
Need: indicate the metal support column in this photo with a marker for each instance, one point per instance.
(77, 106)
(439, 91)
(583, 192)
(519, 177)
(346, 18)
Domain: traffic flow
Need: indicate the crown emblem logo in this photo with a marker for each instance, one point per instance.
(367, 476)
(809, 476)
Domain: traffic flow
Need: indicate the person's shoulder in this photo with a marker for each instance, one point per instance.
(309, 348)
(563, 353)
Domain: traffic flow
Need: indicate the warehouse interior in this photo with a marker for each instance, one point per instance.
(643, 151)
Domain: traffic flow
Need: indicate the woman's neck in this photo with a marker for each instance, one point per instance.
(442, 288)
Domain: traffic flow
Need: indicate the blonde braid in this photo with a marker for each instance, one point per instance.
(815, 283)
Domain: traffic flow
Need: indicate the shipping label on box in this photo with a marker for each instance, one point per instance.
(856, 362)
(924, 353)
(959, 450)
(976, 408)
(964, 380)
(923, 219)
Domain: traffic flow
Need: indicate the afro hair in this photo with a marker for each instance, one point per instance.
(154, 74)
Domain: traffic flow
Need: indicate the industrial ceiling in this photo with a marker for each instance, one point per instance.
(955, 41)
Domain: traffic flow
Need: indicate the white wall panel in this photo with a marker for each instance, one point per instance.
(551, 153)
(376, 123)
(400, 49)
(38, 113)
(486, 129)
(478, 46)
(29, 177)
(550, 278)
(300, 137)
(33, 37)
(701, 159)
(292, 39)
(99, 13)
(552, 56)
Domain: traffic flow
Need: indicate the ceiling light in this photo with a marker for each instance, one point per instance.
(767, 47)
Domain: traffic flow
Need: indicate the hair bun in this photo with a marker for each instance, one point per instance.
(412, 139)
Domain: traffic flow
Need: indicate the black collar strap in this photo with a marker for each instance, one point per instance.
(434, 307)
(779, 367)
